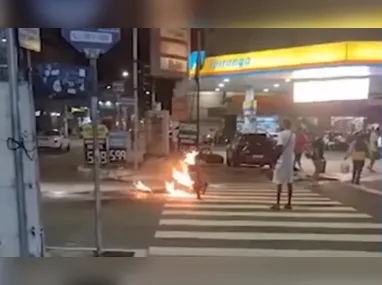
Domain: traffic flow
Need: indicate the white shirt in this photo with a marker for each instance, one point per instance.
(373, 141)
(287, 139)
(283, 172)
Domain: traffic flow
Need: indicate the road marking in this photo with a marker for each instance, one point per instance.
(264, 214)
(253, 190)
(253, 201)
(248, 252)
(257, 207)
(261, 193)
(257, 197)
(367, 189)
(268, 236)
(279, 224)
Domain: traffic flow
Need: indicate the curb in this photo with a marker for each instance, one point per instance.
(91, 252)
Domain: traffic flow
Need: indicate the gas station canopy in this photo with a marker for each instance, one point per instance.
(273, 70)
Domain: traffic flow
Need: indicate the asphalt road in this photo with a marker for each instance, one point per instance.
(233, 220)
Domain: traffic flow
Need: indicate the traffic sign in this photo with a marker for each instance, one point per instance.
(125, 101)
(99, 39)
(30, 39)
(119, 86)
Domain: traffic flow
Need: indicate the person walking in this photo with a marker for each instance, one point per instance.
(299, 149)
(317, 156)
(358, 151)
(283, 169)
(373, 148)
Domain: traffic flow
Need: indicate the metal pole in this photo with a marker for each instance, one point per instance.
(118, 107)
(96, 164)
(34, 132)
(197, 80)
(16, 134)
(135, 89)
(66, 123)
(153, 95)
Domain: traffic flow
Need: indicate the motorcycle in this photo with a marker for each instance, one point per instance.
(200, 185)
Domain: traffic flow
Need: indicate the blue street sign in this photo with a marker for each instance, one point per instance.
(62, 80)
(96, 39)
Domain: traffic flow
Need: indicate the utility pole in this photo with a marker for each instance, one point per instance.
(197, 81)
(153, 94)
(20, 230)
(136, 102)
(93, 55)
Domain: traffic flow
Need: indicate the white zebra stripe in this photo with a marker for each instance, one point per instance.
(289, 224)
(249, 252)
(280, 214)
(374, 238)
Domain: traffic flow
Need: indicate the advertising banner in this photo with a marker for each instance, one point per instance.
(89, 151)
(118, 141)
(169, 52)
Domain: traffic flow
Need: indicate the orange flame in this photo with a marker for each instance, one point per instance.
(182, 177)
(142, 187)
(190, 157)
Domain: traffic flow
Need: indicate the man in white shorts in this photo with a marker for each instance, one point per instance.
(283, 171)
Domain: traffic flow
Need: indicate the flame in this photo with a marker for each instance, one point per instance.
(190, 157)
(142, 187)
(182, 178)
(178, 193)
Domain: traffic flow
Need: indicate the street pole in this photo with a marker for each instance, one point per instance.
(135, 89)
(93, 57)
(197, 80)
(119, 117)
(153, 94)
(16, 135)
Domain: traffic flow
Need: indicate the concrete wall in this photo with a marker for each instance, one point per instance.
(230, 40)
(209, 100)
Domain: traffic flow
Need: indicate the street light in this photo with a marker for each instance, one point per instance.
(125, 73)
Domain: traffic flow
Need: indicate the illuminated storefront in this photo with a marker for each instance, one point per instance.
(322, 80)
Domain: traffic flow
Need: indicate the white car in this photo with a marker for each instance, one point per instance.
(54, 140)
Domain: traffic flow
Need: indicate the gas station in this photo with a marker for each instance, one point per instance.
(329, 85)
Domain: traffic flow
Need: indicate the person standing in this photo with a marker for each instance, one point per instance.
(299, 148)
(373, 148)
(283, 169)
(358, 151)
(317, 156)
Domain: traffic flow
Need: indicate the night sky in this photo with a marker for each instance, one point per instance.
(56, 49)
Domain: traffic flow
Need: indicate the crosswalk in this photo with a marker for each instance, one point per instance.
(235, 220)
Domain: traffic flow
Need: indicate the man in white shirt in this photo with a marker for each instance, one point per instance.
(373, 147)
(283, 172)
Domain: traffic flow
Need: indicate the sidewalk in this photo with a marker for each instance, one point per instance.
(333, 165)
(152, 169)
(90, 252)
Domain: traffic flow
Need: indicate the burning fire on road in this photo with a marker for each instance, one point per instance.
(181, 184)
(142, 190)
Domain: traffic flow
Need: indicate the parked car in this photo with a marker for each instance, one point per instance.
(251, 149)
(53, 140)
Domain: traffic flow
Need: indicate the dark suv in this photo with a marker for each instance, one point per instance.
(251, 149)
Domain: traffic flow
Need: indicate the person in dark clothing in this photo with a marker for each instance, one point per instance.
(358, 151)
(317, 156)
